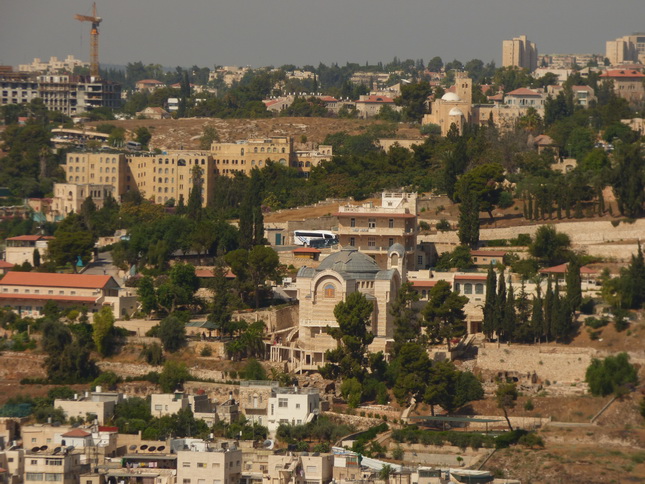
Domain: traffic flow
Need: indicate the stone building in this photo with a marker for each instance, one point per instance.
(628, 83)
(519, 52)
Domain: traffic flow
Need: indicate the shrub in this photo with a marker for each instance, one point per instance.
(528, 406)
(614, 374)
(587, 305)
(423, 225)
(505, 200)
(206, 351)
(443, 225)
(596, 323)
(531, 440)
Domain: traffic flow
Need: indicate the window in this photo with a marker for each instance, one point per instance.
(330, 290)
(297, 405)
(282, 403)
(468, 288)
(371, 241)
(479, 289)
(371, 223)
(34, 461)
(186, 464)
(352, 222)
(390, 242)
(419, 260)
(201, 465)
(186, 481)
(53, 477)
(34, 476)
(390, 223)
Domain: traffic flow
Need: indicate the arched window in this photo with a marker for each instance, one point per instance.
(329, 290)
(113, 179)
(468, 288)
(307, 164)
(283, 150)
(181, 162)
(262, 150)
(113, 169)
(242, 152)
(479, 289)
(255, 150)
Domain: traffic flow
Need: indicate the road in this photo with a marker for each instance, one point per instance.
(103, 265)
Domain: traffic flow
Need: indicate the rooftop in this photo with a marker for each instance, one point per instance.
(40, 279)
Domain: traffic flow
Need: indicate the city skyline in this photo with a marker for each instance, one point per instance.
(277, 32)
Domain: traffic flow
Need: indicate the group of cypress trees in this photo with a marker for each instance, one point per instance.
(516, 319)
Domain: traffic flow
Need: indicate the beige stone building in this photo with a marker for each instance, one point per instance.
(222, 466)
(320, 290)
(519, 52)
(375, 229)
(64, 467)
(628, 83)
(69, 197)
(627, 49)
(254, 399)
(27, 292)
(369, 105)
(21, 248)
(300, 469)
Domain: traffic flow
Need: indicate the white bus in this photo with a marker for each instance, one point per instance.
(133, 146)
(314, 238)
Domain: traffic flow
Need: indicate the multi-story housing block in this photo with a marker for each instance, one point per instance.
(54, 65)
(519, 52)
(300, 469)
(222, 466)
(244, 155)
(627, 49)
(628, 83)
(62, 466)
(20, 249)
(373, 229)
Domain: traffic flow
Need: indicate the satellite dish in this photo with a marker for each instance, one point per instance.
(56, 450)
(143, 447)
(132, 447)
(161, 448)
(268, 444)
(152, 448)
(43, 447)
(35, 449)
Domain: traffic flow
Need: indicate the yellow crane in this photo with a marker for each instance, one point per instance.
(94, 39)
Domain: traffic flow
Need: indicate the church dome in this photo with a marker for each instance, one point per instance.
(351, 262)
(396, 248)
(455, 112)
(451, 96)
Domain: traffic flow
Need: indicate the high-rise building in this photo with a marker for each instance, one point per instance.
(630, 48)
(519, 52)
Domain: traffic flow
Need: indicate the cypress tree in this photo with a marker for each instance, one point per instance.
(510, 320)
(548, 308)
(574, 287)
(537, 317)
(469, 219)
(490, 303)
(500, 303)
(531, 216)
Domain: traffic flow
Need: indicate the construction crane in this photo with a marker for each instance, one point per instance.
(94, 39)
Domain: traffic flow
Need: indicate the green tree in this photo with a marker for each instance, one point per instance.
(143, 135)
(179, 289)
(443, 314)
(253, 370)
(405, 317)
(549, 246)
(489, 323)
(353, 336)
(173, 376)
(484, 182)
(628, 180)
(414, 100)
(36, 258)
(172, 333)
(103, 331)
(614, 374)
(194, 208)
(412, 373)
(574, 284)
(506, 397)
(468, 232)
(147, 295)
(209, 136)
(72, 241)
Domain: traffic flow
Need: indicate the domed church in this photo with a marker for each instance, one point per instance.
(319, 290)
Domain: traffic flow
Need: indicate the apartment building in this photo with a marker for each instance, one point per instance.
(627, 49)
(221, 466)
(369, 105)
(374, 229)
(300, 469)
(292, 406)
(526, 98)
(159, 178)
(54, 64)
(27, 292)
(170, 403)
(254, 399)
(628, 83)
(51, 465)
(244, 155)
(21, 248)
(519, 52)
(97, 405)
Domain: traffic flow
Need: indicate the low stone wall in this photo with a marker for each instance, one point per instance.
(556, 364)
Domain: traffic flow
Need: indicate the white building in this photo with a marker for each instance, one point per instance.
(292, 406)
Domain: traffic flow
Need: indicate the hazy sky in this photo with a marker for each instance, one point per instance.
(276, 32)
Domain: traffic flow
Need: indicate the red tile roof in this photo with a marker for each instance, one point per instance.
(46, 297)
(496, 97)
(32, 237)
(206, 273)
(5, 265)
(489, 253)
(562, 269)
(522, 91)
(470, 277)
(104, 428)
(149, 81)
(622, 73)
(422, 284)
(39, 279)
(76, 433)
